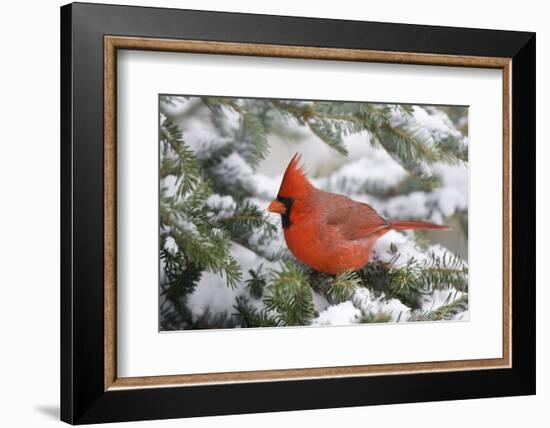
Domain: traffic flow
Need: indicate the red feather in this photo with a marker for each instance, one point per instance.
(330, 232)
(295, 182)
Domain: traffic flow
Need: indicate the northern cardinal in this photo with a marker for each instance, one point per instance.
(330, 233)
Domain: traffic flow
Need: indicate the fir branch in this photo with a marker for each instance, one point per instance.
(206, 247)
(298, 111)
(452, 149)
(289, 295)
(184, 215)
(447, 311)
(250, 138)
(330, 129)
(343, 286)
(208, 320)
(247, 218)
(379, 189)
(203, 244)
(178, 159)
(255, 126)
(179, 281)
(413, 280)
(409, 144)
(331, 132)
(257, 282)
(232, 270)
(369, 316)
(410, 151)
(249, 316)
(443, 272)
(217, 105)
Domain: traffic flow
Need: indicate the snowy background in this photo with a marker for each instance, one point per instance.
(368, 173)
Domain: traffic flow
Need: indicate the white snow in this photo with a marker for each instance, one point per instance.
(377, 168)
(406, 249)
(450, 197)
(234, 170)
(170, 245)
(366, 300)
(176, 106)
(413, 205)
(435, 121)
(186, 225)
(169, 185)
(203, 141)
(270, 247)
(267, 187)
(221, 207)
(319, 301)
(363, 302)
(211, 295)
(341, 314)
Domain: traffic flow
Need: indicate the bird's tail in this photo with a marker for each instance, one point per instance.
(407, 225)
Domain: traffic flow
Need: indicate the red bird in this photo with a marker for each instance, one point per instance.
(331, 233)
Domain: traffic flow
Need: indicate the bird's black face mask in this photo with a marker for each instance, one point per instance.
(285, 217)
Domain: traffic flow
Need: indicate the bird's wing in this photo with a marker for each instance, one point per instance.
(353, 220)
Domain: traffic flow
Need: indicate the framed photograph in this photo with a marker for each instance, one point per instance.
(265, 213)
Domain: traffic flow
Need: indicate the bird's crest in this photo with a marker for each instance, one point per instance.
(295, 182)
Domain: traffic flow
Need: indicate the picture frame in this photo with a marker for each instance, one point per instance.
(91, 390)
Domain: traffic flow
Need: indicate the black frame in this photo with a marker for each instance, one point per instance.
(83, 399)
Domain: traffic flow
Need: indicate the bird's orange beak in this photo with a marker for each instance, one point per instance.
(276, 207)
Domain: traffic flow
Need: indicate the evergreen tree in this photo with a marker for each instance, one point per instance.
(211, 212)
